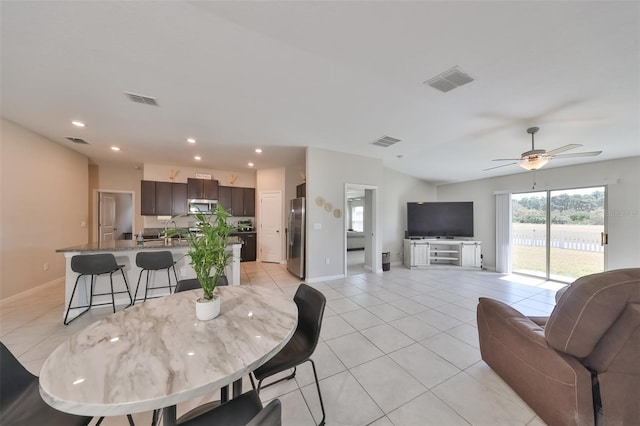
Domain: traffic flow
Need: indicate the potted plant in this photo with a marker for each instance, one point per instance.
(208, 252)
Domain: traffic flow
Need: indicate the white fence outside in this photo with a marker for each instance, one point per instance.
(562, 239)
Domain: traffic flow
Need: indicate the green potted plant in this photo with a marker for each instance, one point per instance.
(208, 252)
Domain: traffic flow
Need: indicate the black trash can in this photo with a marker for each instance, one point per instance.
(386, 260)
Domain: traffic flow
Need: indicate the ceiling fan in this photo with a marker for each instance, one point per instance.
(536, 158)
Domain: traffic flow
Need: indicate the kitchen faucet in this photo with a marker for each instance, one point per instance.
(175, 226)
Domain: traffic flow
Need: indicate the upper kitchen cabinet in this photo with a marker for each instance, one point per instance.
(224, 197)
(147, 198)
(162, 198)
(202, 189)
(238, 201)
(179, 198)
(249, 195)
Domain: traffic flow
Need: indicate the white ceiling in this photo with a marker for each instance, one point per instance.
(334, 75)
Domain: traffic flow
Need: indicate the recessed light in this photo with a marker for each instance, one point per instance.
(115, 148)
(197, 157)
(78, 123)
(191, 140)
(250, 164)
(259, 150)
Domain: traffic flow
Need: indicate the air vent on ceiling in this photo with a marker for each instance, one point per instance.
(147, 100)
(385, 141)
(449, 80)
(77, 140)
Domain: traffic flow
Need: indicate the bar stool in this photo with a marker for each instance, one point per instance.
(95, 265)
(154, 261)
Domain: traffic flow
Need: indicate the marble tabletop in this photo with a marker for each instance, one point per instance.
(157, 354)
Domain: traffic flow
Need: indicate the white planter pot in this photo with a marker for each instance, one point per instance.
(208, 309)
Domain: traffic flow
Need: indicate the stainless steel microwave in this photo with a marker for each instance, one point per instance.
(202, 206)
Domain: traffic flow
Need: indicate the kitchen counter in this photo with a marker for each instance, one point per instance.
(125, 252)
(123, 245)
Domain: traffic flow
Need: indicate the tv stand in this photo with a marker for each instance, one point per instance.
(450, 252)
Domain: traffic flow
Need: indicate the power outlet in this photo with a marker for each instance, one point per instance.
(46, 267)
(327, 261)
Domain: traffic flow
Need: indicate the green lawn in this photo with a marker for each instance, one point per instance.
(566, 263)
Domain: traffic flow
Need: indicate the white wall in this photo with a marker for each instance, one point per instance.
(114, 177)
(397, 190)
(43, 207)
(327, 174)
(621, 176)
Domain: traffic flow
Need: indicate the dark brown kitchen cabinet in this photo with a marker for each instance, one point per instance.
(249, 246)
(249, 201)
(224, 197)
(237, 201)
(162, 198)
(147, 198)
(202, 189)
(178, 198)
(301, 190)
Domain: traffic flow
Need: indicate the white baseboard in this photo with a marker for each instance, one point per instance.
(327, 278)
(33, 290)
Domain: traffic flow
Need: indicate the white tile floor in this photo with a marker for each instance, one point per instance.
(397, 348)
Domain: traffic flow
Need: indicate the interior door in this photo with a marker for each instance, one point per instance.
(107, 217)
(270, 226)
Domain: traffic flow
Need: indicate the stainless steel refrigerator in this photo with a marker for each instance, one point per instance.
(295, 237)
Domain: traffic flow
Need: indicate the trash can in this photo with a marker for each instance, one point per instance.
(386, 260)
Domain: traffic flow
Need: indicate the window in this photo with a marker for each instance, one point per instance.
(357, 218)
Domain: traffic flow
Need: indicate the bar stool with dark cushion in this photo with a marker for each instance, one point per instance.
(96, 265)
(21, 404)
(154, 261)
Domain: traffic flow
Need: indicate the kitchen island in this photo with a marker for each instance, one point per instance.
(125, 252)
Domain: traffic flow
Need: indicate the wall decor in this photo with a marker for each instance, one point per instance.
(328, 206)
(337, 213)
(319, 201)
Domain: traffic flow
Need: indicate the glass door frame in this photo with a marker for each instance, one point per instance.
(549, 224)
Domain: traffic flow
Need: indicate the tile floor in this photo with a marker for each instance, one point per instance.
(397, 348)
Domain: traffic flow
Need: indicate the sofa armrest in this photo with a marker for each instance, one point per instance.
(556, 385)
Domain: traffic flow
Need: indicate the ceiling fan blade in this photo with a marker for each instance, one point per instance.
(579, 154)
(564, 148)
(507, 159)
(497, 167)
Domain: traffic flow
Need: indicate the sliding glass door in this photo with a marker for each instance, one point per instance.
(558, 234)
(577, 226)
(529, 233)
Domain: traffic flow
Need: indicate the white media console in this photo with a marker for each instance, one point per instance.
(429, 252)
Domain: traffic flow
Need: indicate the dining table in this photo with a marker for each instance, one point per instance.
(157, 354)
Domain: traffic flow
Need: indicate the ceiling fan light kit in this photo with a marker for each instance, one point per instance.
(538, 158)
(534, 163)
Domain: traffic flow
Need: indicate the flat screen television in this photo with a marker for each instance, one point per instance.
(440, 219)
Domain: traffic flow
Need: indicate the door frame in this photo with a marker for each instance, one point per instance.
(374, 247)
(95, 231)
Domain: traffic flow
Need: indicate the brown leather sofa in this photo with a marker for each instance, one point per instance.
(580, 366)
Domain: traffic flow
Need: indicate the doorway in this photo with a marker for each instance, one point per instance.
(115, 215)
(559, 235)
(360, 226)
